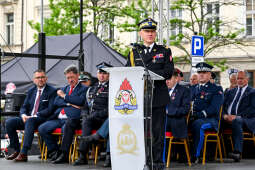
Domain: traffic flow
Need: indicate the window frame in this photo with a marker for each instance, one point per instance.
(9, 29)
(250, 12)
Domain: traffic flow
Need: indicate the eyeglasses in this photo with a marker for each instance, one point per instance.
(42, 77)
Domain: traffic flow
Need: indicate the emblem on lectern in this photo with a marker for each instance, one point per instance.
(126, 140)
(125, 100)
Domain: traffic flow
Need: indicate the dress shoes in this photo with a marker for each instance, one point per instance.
(21, 158)
(91, 138)
(235, 156)
(107, 162)
(195, 160)
(81, 161)
(63, 158)
(54, 155)
(12, 156)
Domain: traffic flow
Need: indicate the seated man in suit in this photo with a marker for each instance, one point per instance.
(178, 107)
(232, 80)
(73, 124)
(96, 113)
(65, 105)
(36, 109)
(177, 110)
(239, 112)
(207, 99)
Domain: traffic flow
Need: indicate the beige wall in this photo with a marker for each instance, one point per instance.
(31, 12)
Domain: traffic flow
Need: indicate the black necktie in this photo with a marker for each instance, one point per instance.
(233, 109)
(147, 49)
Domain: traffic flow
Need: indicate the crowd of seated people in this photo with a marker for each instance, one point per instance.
(82, 105)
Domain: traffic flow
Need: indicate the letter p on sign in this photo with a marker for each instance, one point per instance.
(197, 46)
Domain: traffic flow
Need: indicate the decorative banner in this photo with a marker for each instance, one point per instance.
(126, 94)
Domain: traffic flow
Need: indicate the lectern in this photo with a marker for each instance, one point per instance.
(130, 110)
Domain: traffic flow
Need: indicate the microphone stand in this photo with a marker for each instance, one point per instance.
(148, 96)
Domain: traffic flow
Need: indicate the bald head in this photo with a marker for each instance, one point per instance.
(193, 79)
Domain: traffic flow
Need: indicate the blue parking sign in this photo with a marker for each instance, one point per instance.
(197, 46)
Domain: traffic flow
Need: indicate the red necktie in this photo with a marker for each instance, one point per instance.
(37, 103)
(70, 92)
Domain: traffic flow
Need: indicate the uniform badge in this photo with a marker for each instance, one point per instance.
(202, 95)
(100, 90)
(173, 96)
(170, 58)
(157, 56)
(125, 100)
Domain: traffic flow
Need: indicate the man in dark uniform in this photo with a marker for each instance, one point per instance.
(207, 99)
(178, 107)
(158, 59)
(94, 115)
(239, 112)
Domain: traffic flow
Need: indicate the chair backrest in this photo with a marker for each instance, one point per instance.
(220, 114)
(189, 113)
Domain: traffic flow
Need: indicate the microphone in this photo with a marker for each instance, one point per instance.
(135, 45)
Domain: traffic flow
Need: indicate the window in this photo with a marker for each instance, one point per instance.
(9, 29)
(212, 17)
(175, 28)
(250, 17)
(252, 78)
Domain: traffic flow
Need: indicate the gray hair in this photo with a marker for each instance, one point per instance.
(233, 74)
(247, 74)
(71, 68)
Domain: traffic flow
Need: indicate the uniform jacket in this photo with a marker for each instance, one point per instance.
(159, 61)
(178, 108)
(246, 107)
(208, 99)
(97, 104)
(46, 102)
(77, 97)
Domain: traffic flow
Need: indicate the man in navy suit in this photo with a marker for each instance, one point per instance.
(95, 114)
(239, 112)
(177, 110)
(66, 104)
(36, 109)
(207, 99)
(178, 107)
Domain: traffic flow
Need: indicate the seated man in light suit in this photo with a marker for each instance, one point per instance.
(69, 97)
(239, 112)
(36, 109)
(207, 99)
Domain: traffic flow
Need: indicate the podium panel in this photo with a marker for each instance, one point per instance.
(126, 118)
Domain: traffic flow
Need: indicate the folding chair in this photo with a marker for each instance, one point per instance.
(74, 154)
(183, 141)
(213, 134)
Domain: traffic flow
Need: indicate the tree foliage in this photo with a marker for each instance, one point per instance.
(202, 21)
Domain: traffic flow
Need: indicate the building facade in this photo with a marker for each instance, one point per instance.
(16, 35)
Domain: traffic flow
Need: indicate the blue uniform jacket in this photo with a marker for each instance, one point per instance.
(46, 102)
(208, 100)
(180, 99)
(246, 108)
(77, 97)
(178, 108)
